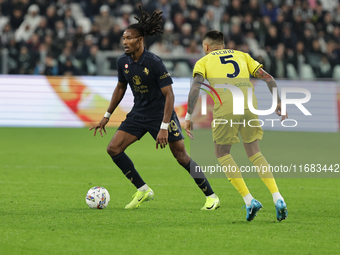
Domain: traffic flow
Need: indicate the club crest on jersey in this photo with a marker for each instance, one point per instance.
(137, 80)
(146, 71)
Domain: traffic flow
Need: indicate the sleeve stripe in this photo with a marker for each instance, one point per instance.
(257, 68)
(198, 73)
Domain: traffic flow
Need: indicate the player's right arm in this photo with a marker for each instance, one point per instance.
(117, 96)
(192, 100)
(271, 83)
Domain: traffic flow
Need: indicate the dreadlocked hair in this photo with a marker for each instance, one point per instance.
(148, 26)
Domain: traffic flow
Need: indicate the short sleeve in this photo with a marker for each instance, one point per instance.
(199, 69)
(163, 77)
(253, 65)
(121, 77)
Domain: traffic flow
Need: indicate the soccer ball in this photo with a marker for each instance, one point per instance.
(97, 198)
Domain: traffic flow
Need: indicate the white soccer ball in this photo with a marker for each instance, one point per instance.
(97, 198)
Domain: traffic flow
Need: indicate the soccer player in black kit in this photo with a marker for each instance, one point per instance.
(153, 110)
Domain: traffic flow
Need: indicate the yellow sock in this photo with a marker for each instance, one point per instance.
(234, 177)
(267, 177)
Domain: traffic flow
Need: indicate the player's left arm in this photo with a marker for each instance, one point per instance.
(162, 137)
(271, 83)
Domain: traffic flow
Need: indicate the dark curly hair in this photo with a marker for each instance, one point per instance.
(147, 26)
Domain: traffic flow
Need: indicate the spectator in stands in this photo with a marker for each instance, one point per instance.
(26, 62)
(69, 21)
(298, 26)
(91, 8)
(51, 16)
(168, 35)
(178, 21)
(318, 15)
(235, 9)
(95, 33)
(193, 49)
(254, 9)
(78, 36)
(30, 23)
(42, 30)
(115, 37)
(33, 43)
(307, 39)
(90, 64)
(236, 34)
(193, 19)
(165, 7)
(13, 57)
(125, 20)
(280, 23)
(336, 34)
(105, 44)
(50, 67)
(186, 36)
(16, 18)
(51, 46)
(288, 38)
(104, 21)
(333, 53)
(84, 51)
(278, 62)
(68, 68)
(225, 24)
(247, 24)
(314, 57)
(268, 9)
(336, 14)
(180, 6)
(177, 49)
(325, 68)
(6, 35)
(217, 9)
(159, 47)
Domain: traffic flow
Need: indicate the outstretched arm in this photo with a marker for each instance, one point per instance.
(271, 83)
(117, 96)
(192, 100)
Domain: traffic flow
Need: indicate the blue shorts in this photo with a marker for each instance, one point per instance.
(139, 126)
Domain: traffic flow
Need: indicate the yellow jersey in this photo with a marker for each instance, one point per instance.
(232, 67)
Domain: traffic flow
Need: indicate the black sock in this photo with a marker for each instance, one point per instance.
(199, 178)
(126, 165)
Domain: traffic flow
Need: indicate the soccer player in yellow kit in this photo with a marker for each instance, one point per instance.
(221, 66)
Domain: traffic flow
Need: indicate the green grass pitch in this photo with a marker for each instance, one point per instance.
(45, 174)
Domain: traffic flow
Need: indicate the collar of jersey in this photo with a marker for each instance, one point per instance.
(140, 60)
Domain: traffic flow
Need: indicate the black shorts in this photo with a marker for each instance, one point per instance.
(138, 126)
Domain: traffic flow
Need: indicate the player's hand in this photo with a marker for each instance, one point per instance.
(100, 126)
(162, 138)
(278, 112)
(188, 127)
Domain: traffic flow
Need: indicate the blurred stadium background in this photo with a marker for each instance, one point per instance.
(293, 39)
(65, 53)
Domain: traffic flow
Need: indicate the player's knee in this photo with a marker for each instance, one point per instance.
(113, 150)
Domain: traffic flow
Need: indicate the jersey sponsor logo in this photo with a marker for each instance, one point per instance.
(164, 76)
(176, 134)
(146, 71)
(137, 80)
(126, 71)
